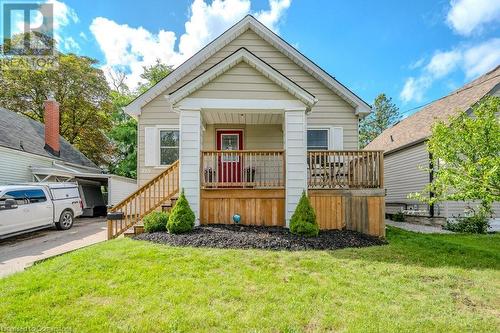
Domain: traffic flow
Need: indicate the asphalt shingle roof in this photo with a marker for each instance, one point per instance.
(22, 133)
(418, 126)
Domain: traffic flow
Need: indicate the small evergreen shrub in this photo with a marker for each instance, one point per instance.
(155, 221)
(398, 216)
(303, 221)
(181, 217)
(475, 224)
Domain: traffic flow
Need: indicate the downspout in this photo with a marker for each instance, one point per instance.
(431, 178)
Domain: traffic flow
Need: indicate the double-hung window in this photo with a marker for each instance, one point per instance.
(169, 146)
(318, 139)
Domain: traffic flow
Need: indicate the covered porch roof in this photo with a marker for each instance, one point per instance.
(299, 98)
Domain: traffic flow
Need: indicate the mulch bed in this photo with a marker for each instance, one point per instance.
(254, 237)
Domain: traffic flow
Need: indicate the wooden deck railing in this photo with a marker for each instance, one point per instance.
(143, 201)
(243, 168)
(345, 169)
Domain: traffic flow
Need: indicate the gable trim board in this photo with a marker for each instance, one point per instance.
(249, 22)
(243, 55)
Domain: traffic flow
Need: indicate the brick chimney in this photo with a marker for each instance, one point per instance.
(52, 126)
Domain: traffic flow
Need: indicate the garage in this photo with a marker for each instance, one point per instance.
(97, 190)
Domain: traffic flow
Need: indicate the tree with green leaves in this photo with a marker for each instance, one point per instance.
(83, 95)
(466, 157)
(385, 114)
(153, 74)
(124, 131)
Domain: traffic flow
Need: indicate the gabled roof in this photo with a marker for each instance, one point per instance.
(248, 22)
(243, 55)
(22, 133)
(418, 127)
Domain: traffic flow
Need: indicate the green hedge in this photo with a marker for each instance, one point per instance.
(303, 221)
(155, 221)
(181, 217)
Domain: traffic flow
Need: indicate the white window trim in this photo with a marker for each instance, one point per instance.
(319, 128)
(160, 128)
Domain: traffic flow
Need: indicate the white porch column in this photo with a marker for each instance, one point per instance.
(189, 157)
(295, 133)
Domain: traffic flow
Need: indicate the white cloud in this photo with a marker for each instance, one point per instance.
(271, 17)
(468, 16)
(442, 63)
(129, 48)
(473, 60)
(414, 88)
(481, 58)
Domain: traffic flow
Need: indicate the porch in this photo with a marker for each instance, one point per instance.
(345, 188)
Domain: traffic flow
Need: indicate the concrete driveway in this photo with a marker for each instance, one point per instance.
(22, 251)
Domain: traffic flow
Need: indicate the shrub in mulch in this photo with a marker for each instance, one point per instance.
(155, 221)
(182, 217)
(303, 221)
(256, 237)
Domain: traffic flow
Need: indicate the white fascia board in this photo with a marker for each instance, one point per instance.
(248, 22)
(243, 55)
(249, 105)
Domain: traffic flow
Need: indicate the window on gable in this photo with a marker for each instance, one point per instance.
(317, 139)
(169, 146)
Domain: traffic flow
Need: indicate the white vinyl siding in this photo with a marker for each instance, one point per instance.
(295, 150)
(15, 165)
(242, 82)
(190, 140)
(255, 137)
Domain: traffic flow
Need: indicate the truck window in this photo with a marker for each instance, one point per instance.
(35, 196)
(18, 195)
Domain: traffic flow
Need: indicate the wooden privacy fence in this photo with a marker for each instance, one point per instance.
(243, 168)
(358, 210)
(343, 169)
(143, 201)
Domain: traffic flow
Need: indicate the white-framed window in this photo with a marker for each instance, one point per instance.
(325, 138)
(169, 146)
(318, 139)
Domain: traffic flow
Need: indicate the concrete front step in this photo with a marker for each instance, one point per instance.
(139, 227)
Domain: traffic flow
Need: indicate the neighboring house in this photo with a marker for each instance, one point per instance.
(405, 152)
(33, 152)
(254, 123)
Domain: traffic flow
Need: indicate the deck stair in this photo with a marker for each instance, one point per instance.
(160, 193)
(138, 228)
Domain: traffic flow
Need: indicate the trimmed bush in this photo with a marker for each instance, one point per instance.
(181, 217)
(155, 221)
(303, 221)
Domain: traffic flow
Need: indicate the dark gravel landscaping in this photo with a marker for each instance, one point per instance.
(270, 238)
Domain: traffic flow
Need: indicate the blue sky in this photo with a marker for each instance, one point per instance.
(414, 51)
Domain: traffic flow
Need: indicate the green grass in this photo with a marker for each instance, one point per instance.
(446, 283)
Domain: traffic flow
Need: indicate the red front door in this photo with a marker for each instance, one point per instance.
(229, 165)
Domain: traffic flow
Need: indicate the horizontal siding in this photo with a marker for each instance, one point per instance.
(15, 166)
(450, 209)
(403, 174)
(331, 110)
(242, 82)
(254, 136)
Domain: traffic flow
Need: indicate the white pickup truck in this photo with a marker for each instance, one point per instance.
(31, 207)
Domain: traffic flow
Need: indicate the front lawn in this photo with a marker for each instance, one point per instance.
(416, 283)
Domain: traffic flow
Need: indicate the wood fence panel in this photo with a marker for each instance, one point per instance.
(358, 210)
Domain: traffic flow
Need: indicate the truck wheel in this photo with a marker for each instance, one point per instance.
(65, 221)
